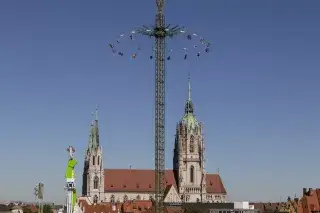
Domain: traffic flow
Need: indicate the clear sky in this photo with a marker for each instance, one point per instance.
(257, 92)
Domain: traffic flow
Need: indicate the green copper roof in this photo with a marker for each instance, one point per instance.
(190, 121)
(189, 118)
(94, 134)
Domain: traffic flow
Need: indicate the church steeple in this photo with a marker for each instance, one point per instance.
(93, 171)
(189, 105)
(189, 88)
(188, 155)
(94, 142)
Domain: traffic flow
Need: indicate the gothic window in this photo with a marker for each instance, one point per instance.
(192, 174)
(93, 160)
(95, 199)
(125, 198)
(95, 182)
(191, 144)
(98, 160)
(112, 199)
(138, 197)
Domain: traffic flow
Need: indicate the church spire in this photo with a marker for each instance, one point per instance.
(94, 132)
(96, 113)
(189, 105)
(189, 87)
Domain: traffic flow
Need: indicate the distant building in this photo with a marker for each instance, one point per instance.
(5, 209)
(279, 207)
(146, 206)
(186, 182)
(10, 209)
(309, 202)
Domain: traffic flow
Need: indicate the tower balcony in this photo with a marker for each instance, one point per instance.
(193, 189)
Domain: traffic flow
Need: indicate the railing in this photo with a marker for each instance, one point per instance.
(193, 189)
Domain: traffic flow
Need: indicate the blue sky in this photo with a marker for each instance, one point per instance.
(257, 92)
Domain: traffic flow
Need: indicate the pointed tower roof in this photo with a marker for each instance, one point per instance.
(189, 104)
(189, 118)
(94, 133)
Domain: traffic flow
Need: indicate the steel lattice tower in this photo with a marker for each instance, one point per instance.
(160, 106)
(160, 31)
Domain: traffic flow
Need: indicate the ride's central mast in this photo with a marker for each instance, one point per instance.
(160, 32)
(160, 36)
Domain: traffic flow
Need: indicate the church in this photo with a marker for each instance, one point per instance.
(186, 182)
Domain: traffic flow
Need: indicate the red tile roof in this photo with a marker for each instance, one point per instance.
(134, 180)
(308, 203)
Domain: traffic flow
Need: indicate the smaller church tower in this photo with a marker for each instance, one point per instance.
(188, 160)
(93, 172)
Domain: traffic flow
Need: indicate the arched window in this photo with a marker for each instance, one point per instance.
(95, 182)
(93, 160)
(112, 199)
(191, 144)
(95, 199)
(138, 197)
(125, 198)
(98, 160)
(192, 174)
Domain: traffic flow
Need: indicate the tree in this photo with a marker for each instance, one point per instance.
(26, 209)
(47, 208)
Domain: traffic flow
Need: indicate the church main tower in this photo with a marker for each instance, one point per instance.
(188, 160)
(93, 171)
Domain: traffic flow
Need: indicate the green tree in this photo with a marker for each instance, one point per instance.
(26, 209)
(47, 208)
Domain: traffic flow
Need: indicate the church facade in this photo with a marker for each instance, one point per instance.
(186, 182)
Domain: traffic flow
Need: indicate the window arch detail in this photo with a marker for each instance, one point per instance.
(191, 144)
(96, 182)
(112, 198)
(192, 174)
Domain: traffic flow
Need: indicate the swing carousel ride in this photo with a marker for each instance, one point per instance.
(134, 45)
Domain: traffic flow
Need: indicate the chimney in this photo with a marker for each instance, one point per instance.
(310, 190)
(304, 191)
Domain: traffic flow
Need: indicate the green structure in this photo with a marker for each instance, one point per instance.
(70, 180)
